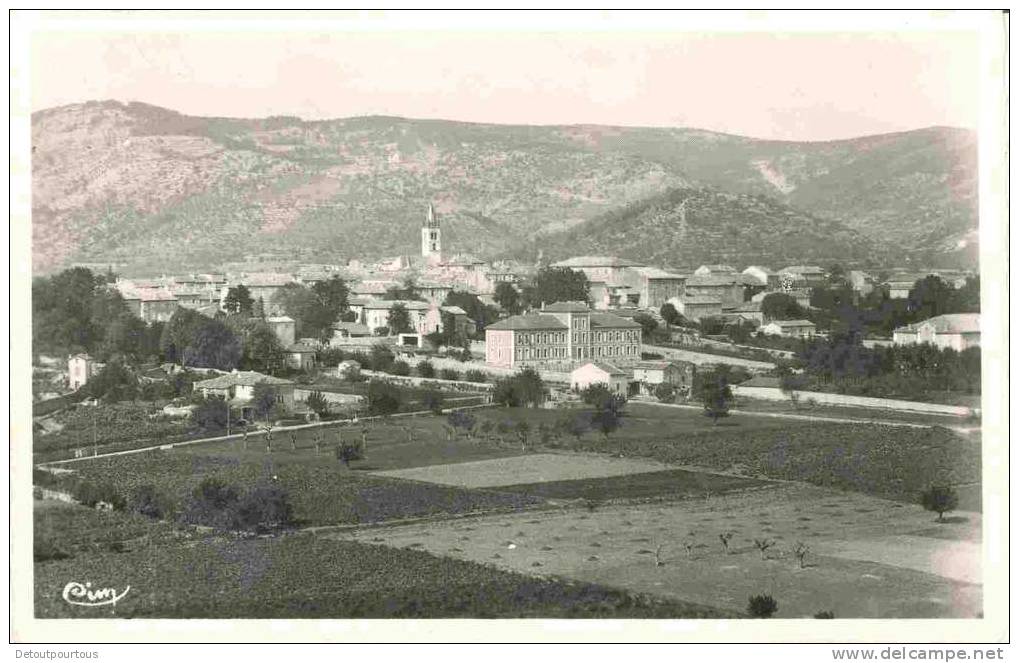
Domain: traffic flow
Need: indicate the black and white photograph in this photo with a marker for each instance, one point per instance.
(667, 321)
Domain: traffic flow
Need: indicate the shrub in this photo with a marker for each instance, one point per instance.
(426, 370)
(91, 494)
(148, 501)
(349, 452)
(263, 508)
(476, 375)
(433, 401)
(45, 550)
(209, 414)
(665, 392)
(318, 403)
(399, 367)
(450, 374)
(762, 606)
(383, 398)
(212, 504)
(825, 614)
(939, 499)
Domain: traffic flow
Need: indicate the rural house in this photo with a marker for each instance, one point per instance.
(596, 372)
(650, 374)
(238, 388)
(957, 331)
(790, 328)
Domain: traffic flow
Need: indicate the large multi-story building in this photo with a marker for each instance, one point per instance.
(561, 336)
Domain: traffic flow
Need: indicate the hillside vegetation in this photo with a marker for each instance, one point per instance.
(149, 187)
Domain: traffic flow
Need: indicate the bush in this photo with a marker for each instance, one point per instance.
(665, 392)
(318, 403)
(426, 370)
(383, 398)
(212, 504)
(524, 388)
(91, 494)
(450, 374)
(263, 508)
(149, 502)
(476, 375)
(762, 606)
(45, 550)
(825, 614)
(433, 401)
(939, 499)
(349, 452)
(209, 414)
(399, 367)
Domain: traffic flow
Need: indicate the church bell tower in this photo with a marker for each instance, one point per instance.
(431, 237)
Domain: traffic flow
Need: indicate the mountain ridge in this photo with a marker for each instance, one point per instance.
(122, 182)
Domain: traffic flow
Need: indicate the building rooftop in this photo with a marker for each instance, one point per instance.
(951, 323)
(703, 300)
(455, 310)
(604, 367)
(792, 323)
(566, 307)
(610, 321)
(386, 304)
(717, 269)
(280, 319)
(596, 261)
(352, 328)
(656, 273)
(528, 321)
(302, 348)
(712, 280)
(264, 279)
(240, 379)
(801, 269)
(657, 364)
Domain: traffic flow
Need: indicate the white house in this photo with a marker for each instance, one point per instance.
(238, 388)
(695, 307)
(300, 356)
(761, 276)
(596, 372)
(790, 328)
(80, 368)
(958, 331)
(652, 373)
(284, 327)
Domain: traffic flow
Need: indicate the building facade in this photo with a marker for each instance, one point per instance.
(597, 372)
(561, 336)
(957, 331)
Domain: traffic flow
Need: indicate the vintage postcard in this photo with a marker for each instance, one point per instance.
(513, 327)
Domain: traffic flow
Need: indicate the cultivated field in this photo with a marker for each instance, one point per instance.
(867, 557)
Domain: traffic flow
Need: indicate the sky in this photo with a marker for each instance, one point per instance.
(794, 86)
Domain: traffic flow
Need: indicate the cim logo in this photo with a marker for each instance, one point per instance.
(76, 593)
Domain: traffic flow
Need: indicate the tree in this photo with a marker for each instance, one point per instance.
(398, 321)
(716, 395)
(265, 400)
(318, 403)
(313, 315)
(482, 314)
(929, 297)
(348, 452)
(556, 284)
(670, 315)
(608, 409)
(780, 306)
(507, 297)
(262, 348)
(461, 420)
(178, 333)
(383, 398)
(425, 369)
(939, 499)
(210, 415)
(648, 325)
(333, 294)
(238, 300)
(115, 382)
(762, 606)
(382, 357)
(450, 374)
(526, 388)
(523, 430)
(213, 345)
(399, 367)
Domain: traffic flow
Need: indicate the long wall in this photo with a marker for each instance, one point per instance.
(774, 394)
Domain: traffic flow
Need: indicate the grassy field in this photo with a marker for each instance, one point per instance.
(648, 485)
(878, 460)
(321, 490)
(305, 576)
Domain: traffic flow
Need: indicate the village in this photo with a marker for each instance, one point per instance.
(610, 414)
